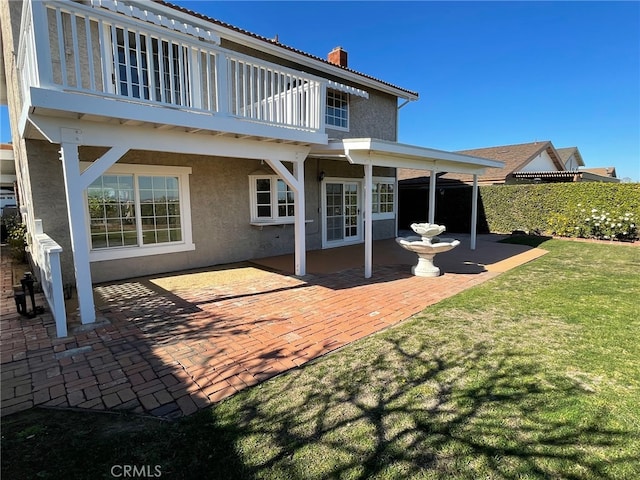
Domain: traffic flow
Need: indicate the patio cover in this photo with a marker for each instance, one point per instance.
(371, 152)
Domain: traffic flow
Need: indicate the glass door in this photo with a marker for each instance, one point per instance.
(341, 212)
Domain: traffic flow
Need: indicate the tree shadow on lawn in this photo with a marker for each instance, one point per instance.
(413, 411)
(394, 406)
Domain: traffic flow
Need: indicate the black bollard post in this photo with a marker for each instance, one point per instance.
(28, 282)
(20, 299)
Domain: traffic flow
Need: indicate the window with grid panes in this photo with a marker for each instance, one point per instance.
(337, 114)
(138, 210)
(383, 205)
(271, 199)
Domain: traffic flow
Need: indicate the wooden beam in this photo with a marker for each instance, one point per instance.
(152, 139)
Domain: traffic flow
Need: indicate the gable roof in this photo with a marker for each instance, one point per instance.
(402, 92)
(602, 171)
(515, 157)
(565, 153)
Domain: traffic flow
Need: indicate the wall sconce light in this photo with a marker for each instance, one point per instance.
(321, 176)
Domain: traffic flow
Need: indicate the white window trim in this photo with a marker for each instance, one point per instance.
(274, 219)
(185, 245)
(386, 215)
(336, 127)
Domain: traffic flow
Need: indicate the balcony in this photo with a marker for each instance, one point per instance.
(113, 62)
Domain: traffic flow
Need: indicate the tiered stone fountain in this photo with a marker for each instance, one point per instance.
(426, 246)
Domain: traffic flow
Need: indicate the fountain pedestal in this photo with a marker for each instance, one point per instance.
(426, 246)
(425, 266)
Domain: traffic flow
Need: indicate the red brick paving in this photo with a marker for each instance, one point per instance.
(170, 354)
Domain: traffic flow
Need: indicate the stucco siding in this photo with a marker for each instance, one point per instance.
(219, 203)
(374, 117)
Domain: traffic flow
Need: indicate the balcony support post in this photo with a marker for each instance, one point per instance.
(295, 181)
(300, 231)
(77, 227)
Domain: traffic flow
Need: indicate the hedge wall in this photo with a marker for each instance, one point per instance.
(533, 207)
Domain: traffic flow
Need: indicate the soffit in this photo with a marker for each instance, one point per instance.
(397, 155)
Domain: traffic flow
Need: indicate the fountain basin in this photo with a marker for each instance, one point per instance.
(427, 246)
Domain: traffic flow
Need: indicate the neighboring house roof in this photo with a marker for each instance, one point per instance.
(515, 158)
(602, 171)
(281, 45)
(565, 154)
(566, 176)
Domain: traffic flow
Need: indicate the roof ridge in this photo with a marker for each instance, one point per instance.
(541, 142)
(277, 43)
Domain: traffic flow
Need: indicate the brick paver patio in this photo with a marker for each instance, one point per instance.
(170, 354)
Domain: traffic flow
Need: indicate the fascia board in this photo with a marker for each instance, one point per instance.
(146, 138)
(418, 152)
(106, 106)
(365, 151)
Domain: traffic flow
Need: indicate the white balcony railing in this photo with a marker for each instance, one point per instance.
(46, 256)
(76, 48)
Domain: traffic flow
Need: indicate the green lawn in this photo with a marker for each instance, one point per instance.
(535, 374)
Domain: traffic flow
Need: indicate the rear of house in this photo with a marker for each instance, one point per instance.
(150, 139)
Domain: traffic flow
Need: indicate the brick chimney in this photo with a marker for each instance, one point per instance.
(338, 56)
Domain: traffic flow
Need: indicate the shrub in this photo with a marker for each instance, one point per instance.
(563, 208)
(593, 223)
(16, 236)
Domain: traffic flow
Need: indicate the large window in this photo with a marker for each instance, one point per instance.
(139, 210)
(384, 198)
(271, 200)
(337, 109)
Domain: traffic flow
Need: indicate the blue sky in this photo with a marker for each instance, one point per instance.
(488, 73)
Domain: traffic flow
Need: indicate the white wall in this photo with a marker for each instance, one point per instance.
(571, 163)
(542, 163)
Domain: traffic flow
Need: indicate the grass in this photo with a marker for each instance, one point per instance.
(532, 375)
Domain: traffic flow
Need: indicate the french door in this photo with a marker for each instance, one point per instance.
(341, 212)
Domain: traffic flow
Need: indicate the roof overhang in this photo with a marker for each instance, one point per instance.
(382, 153)
(262, 44)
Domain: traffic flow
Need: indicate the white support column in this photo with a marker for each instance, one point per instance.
(296, 182)
(79, 238)
(368, 225)
(474, 212)
(300, 262)
(432, 197)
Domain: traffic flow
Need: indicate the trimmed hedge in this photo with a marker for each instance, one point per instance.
(554, 208)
